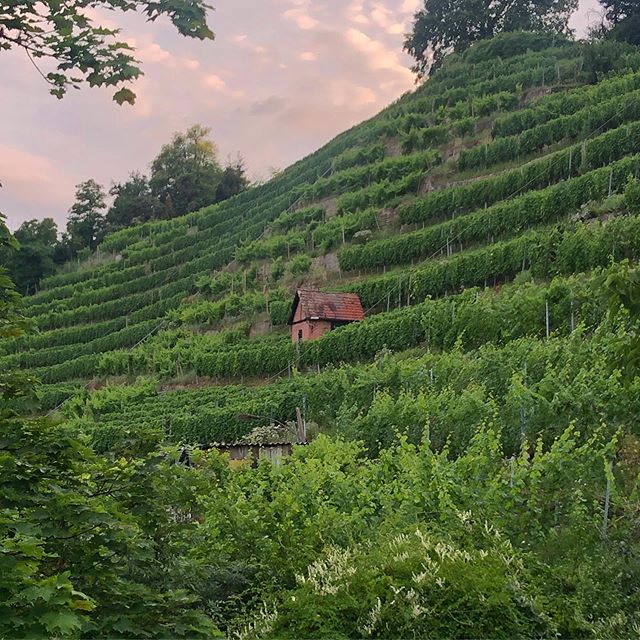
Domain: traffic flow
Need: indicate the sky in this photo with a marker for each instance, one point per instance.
(281, 78)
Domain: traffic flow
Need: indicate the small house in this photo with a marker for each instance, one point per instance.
(314, 313)
(243, 452)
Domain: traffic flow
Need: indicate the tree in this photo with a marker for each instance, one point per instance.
(618, 10)
(187, 171)
(80, 533)
(233, 180)
(443, 26)
(34, 257)
(621, 21)
(66, 34)
(133, 202)
(85, 224)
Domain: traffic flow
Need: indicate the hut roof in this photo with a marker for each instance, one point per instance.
(319, 305)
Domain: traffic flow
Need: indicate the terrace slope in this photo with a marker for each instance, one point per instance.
(473, 217)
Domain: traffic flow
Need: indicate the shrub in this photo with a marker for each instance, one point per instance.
(632, 196)
(300, 265)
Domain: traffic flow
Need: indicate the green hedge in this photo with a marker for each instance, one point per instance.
(505, 218)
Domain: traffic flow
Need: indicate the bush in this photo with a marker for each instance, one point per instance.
(632, 196)
(507, 45)
(300, 265)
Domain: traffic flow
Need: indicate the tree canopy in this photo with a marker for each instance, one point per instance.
(35, 257)
(618, 10)
(443, 26)
(232, 181)
(85, 224)
(132, 202)
(187, 171)
(82, 51)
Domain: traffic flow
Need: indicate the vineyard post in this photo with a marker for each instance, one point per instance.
(570, 160)
(388, 300)
(546, 314)
(610, 181)
(607, 499)
(573, 321)
(304, 417)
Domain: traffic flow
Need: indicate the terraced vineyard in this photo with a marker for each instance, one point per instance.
(476, 218)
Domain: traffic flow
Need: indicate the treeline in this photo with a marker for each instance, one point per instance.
(185, 176)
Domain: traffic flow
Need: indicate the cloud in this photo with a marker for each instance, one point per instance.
(386, 19)
(281, 79)
(379, 55)
(214, 82)
(270, 105)
(300, 15)
(410, 6)
(355, 12)
(152, 53)
(35, 181)
(190, 63)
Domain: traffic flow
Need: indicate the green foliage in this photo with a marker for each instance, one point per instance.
(66, 34)
(349, 179)
(132, 202)
(34, 258)
(617, 10)
(482, 415)
(414, 542)
(185, 175)
(440, 28)
(77, 539)
(85, 224)
(232, 181)
(417, 139)
(632, 196)
(628, 29)
(537, 174)
(563, 103)
(358, 156)
(299, 217)
(604, 57)
(508, 45)
(378, 193)
(502, 219)
(300, 265)
(606, 115)
(73, 538)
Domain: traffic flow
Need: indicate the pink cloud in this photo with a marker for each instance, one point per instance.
(282, 78)
(33, 179)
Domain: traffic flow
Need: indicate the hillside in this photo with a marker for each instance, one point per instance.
(468, 216)
(474, 457)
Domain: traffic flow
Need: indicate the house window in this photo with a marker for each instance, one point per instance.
(299, 335)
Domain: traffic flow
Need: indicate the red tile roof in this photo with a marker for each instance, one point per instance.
(327, 306)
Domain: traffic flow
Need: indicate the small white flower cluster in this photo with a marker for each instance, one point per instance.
(325, 575)
(371, 620)
(260, 626)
